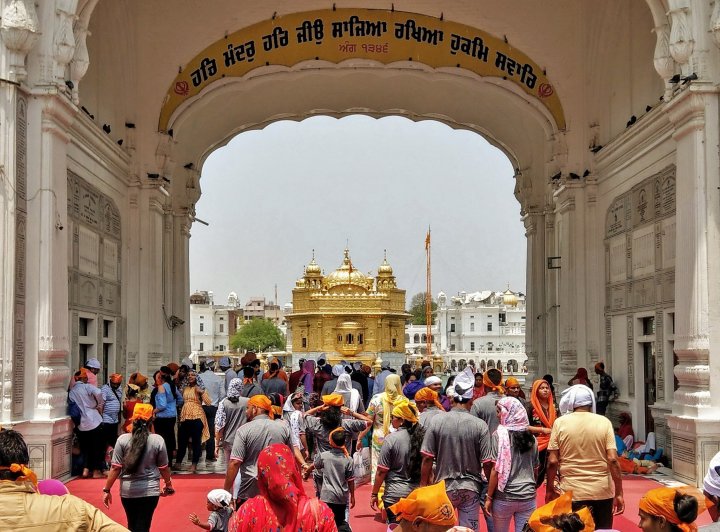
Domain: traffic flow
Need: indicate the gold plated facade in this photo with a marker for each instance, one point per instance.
(348, 314)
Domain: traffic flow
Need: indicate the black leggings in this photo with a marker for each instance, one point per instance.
(542, 458)
(190, 429)
(139, 512)
(338, 511)
(165, 427)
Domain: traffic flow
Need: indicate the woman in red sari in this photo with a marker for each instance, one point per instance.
(282, 505)
(541, 415)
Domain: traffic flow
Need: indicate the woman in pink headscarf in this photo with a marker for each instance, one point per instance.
(511, 489)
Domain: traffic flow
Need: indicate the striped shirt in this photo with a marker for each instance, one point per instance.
(112, 404)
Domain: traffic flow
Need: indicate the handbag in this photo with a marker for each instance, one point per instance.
(361, 466)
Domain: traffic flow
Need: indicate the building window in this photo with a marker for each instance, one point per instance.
(472, 326)
(360, 338)
(503, 317)
(221, 348)
(202, 317)
(304, 342)
(452, 347)
(489, 327)
(349, 339)
(221, 318)
(416, 338)
(202, 346)
(222, 327)
(472, 317)
(339, 338)
(472, 346)
(452, 327)
(394, 342)
(202, 327)
(648, 325)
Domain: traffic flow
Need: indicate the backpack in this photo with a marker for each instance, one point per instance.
(73, 410)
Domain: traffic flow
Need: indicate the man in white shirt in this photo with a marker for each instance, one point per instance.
(90, 433)
(215, 386)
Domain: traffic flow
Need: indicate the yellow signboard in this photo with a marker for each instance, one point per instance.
(338, 35)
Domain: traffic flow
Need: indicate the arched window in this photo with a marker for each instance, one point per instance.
(424, 338)
(407, 338)
(416, 339)
(349, 338)
(360, 338)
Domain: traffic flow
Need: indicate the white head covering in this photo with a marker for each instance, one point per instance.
(433, 380)
(93, 363)
(576, 395)
(711, 484)
(219, 498)
(463, 385)
(338, 369)
(344, 388)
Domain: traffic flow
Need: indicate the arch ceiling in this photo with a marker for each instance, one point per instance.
(597, 56)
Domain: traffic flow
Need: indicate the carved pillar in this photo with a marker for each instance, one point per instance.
(569, 306)
(180, 285)
(550, 310)
(536, 318)
(19, 30)
(696, 408)
(593, 253)
(47, 346)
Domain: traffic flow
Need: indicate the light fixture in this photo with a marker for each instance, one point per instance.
(163, 191)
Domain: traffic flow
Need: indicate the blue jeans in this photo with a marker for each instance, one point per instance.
(504, 510)
(467, 503)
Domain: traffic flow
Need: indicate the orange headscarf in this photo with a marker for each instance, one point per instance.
(561, 505)
(142, 411)
(430, 504)
(511, 381)
(660, 503)
(81, 374)
(547, 421)
(263, 402)
(490, 384)
(116, 378)
(428, 395)
(335, 445)
(26, 474)
(333, 399)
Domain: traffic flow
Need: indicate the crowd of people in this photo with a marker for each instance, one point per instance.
(439, 458)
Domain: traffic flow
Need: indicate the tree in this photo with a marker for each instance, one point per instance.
(417, 309)
(258, 334)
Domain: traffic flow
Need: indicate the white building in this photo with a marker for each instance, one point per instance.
(484, 329)
(211, 325)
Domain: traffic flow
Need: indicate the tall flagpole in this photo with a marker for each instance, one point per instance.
(428, 299)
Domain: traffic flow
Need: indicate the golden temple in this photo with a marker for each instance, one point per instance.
(348, 314)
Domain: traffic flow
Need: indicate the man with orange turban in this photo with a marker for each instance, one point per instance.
(428, 404)
(259, 432)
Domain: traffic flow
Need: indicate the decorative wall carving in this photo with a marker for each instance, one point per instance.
(18, 366)
(19, 31)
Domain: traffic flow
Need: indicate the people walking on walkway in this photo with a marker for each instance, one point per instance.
(380, 413)
(139, 460)
(428, 404)
(215, 387)
(460, 466)
(193, 423)
(582, 450)
(167, 401)
(112, 397)
(511, 486)
(541, 416)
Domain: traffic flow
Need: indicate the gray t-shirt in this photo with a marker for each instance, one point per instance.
(234, 419)
(394, 458)
(460, 443)
(220, 519)
(145, 482)
(485, 409)
(336, 470)
(521, 482)
(275, 385)
(427, 415)
(712, 527)
(322, 434)
(250, 439)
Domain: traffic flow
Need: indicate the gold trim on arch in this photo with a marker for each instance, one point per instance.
(379, 35)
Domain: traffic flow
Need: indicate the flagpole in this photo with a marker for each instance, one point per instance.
(428, 300)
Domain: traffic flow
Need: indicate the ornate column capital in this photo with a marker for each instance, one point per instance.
(19, 32)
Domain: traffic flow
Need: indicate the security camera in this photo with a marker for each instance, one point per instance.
(59, 226)
(175, 321)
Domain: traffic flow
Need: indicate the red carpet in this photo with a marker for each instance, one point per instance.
(172, 513)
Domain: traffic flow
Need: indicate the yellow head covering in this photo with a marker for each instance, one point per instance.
(142, 411)
(393, 390)
(429, 504)
(333, 399)
(403, 409)
(561, 505)
(26, 474)
(660, 503)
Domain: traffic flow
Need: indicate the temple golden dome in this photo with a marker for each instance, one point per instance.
(313, 268)
(385, 268)
(509, 298)
(347, 275)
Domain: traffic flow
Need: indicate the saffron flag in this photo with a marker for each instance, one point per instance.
(427, 240)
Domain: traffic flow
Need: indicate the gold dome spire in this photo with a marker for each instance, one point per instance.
(346, 274)
(509, 297)
(385, 269)
(313, 268)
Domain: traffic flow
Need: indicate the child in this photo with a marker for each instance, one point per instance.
(337, 477)
(218, 503)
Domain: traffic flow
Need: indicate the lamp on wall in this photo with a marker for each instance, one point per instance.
(553, 263)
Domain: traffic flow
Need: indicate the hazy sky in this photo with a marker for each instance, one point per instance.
(271, 196)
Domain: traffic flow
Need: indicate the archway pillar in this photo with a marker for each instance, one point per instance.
(179, 279)
(536, 275)
(695, 419)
